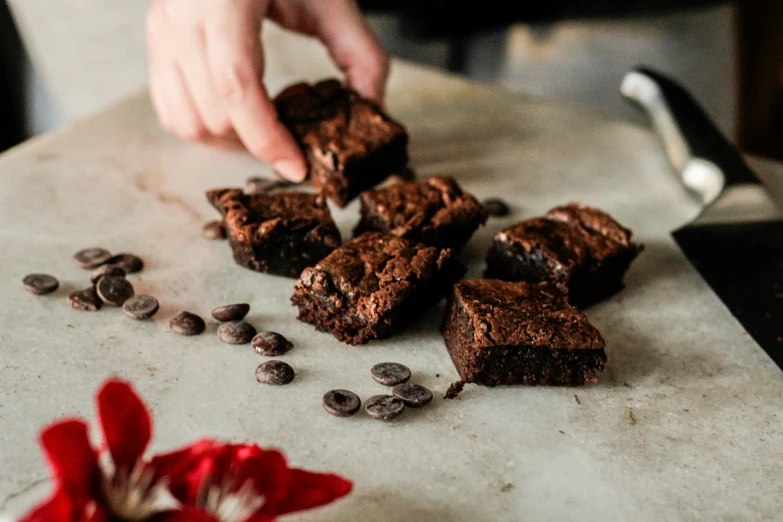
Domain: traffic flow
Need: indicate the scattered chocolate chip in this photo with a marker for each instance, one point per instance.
(232, 312)
(236, 332)
(114, 290)
(141, 307)
(390, 374)
(86, 300)
(106, 270)
(274, 372)
(92, 257)
(341, 403)
(128, 262)
(214, 230)
(496, 207)
(384, 407)
(40, 284)
(271, 344)
(186, 323)
(413, 395)
(455, 388)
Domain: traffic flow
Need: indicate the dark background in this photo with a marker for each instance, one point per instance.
(759, 23)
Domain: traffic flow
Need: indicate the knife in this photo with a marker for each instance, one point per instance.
(736, 242)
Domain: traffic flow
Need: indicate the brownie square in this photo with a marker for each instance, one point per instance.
(350, 143)
(434, 211)
(580, 249)
(277, 232)
(500, 332)
(374, 286)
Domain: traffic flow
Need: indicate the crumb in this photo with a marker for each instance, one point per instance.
(454, 389)
(630, 417)
(437, 375)
(506, 488)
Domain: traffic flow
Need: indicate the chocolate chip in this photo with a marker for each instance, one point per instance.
(390, 374)
(214, 230)
(271, 344)
(106, 270)
(128, 262)
(496, 207)
(274, 372)
(141, 307)
(341, 403)
(232, 312)
(236, 332)
(86, 300)
(114, 290)
(40, 284)
(413, 395)
(384, 407)
(186, 323)
(92, 257)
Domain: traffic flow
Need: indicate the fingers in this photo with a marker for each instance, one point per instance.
(195, 71)
(353, 46)
(206, 85)
(235, 62)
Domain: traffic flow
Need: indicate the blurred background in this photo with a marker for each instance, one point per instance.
(61, 60)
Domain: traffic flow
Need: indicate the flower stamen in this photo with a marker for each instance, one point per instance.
(229, 504)
(136, 496)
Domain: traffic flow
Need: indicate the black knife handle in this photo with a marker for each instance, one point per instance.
(689, 136)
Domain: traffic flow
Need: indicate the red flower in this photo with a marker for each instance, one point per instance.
(207, 481)
(87, 489)
(241, 482)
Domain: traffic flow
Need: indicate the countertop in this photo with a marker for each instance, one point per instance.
(684, 424)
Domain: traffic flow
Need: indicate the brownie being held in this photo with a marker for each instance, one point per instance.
(500, 332)
(434, 211)
(351, 145)
(580, 249)
(280, 232)
(374, 286)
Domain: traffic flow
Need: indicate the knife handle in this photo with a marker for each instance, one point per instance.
(705, 160)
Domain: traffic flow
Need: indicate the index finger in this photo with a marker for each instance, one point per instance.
(236, 63)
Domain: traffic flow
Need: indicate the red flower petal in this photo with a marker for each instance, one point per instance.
(308, 490)
(58, 508)
(73, 461)
(126, 423)
(267, 469)
(184, 469)
(186, 514)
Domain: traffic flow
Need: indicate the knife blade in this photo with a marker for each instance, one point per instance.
(736, 242)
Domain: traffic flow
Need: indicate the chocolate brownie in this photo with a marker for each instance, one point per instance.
(580, 249)
(278, 232)
(500, 332)
(374, 286)
(350, 144)
(434, 211)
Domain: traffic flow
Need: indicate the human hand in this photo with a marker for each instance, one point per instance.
(206, 69)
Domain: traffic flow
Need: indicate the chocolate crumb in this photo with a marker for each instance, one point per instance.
(454, 389)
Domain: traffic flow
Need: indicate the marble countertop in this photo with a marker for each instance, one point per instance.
(684, 424)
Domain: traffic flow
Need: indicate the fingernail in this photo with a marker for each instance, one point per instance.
(289, 169)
